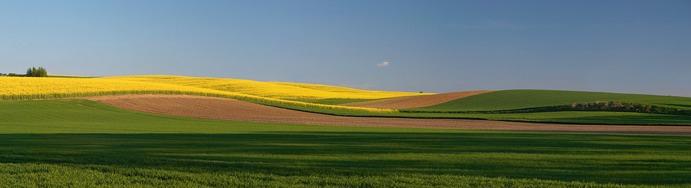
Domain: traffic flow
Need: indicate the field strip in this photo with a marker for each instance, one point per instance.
(230, 109)
(417, 101)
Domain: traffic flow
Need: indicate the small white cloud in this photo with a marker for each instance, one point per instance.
(384, 64)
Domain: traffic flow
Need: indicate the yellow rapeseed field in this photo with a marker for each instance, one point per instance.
(281, 90)
(46, 88)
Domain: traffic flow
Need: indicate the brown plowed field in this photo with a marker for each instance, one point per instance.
(229, 109)
(417, 101)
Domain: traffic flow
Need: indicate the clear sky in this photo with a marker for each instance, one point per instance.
(421, 45)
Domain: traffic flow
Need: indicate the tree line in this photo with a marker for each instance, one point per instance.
(30, 72)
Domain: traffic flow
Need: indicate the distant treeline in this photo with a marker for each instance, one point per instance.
(30, 72)
(10, 74)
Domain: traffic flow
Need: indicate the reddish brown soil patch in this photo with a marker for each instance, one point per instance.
(417, 101)
(229, 109)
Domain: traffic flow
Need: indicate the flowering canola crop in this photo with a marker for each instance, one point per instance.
(282, 90)
(269, 93)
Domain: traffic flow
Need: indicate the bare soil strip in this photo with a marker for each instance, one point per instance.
(416, 101)
(229, 109)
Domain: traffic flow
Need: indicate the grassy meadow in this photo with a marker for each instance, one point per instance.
(78, 143)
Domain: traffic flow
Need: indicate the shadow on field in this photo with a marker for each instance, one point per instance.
(582, 157)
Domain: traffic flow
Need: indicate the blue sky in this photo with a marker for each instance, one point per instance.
(428, 45)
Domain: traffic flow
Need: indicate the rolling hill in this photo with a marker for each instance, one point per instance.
(522, 99)
(273, 94)
(278, 90)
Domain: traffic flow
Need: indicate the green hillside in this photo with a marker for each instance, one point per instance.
(520, 99)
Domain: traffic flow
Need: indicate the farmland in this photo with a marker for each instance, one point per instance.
(517, 99)
(171, 131)
(23, 88)
(495, 105)
(279, 90)
(77, 143)
(345, 94)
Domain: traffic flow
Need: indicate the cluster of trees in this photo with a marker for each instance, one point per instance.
(30, 72)
(36, 72)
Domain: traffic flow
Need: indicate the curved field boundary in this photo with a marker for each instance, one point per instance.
(230, 109)
(417, 101)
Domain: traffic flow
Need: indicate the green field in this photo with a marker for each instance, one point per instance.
(518, 99)
(77, 143)
(569, 117)
(544, 106)
(578, 117)
(494, 106)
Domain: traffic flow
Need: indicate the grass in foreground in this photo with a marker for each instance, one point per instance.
(350, 159)
(81, 143)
